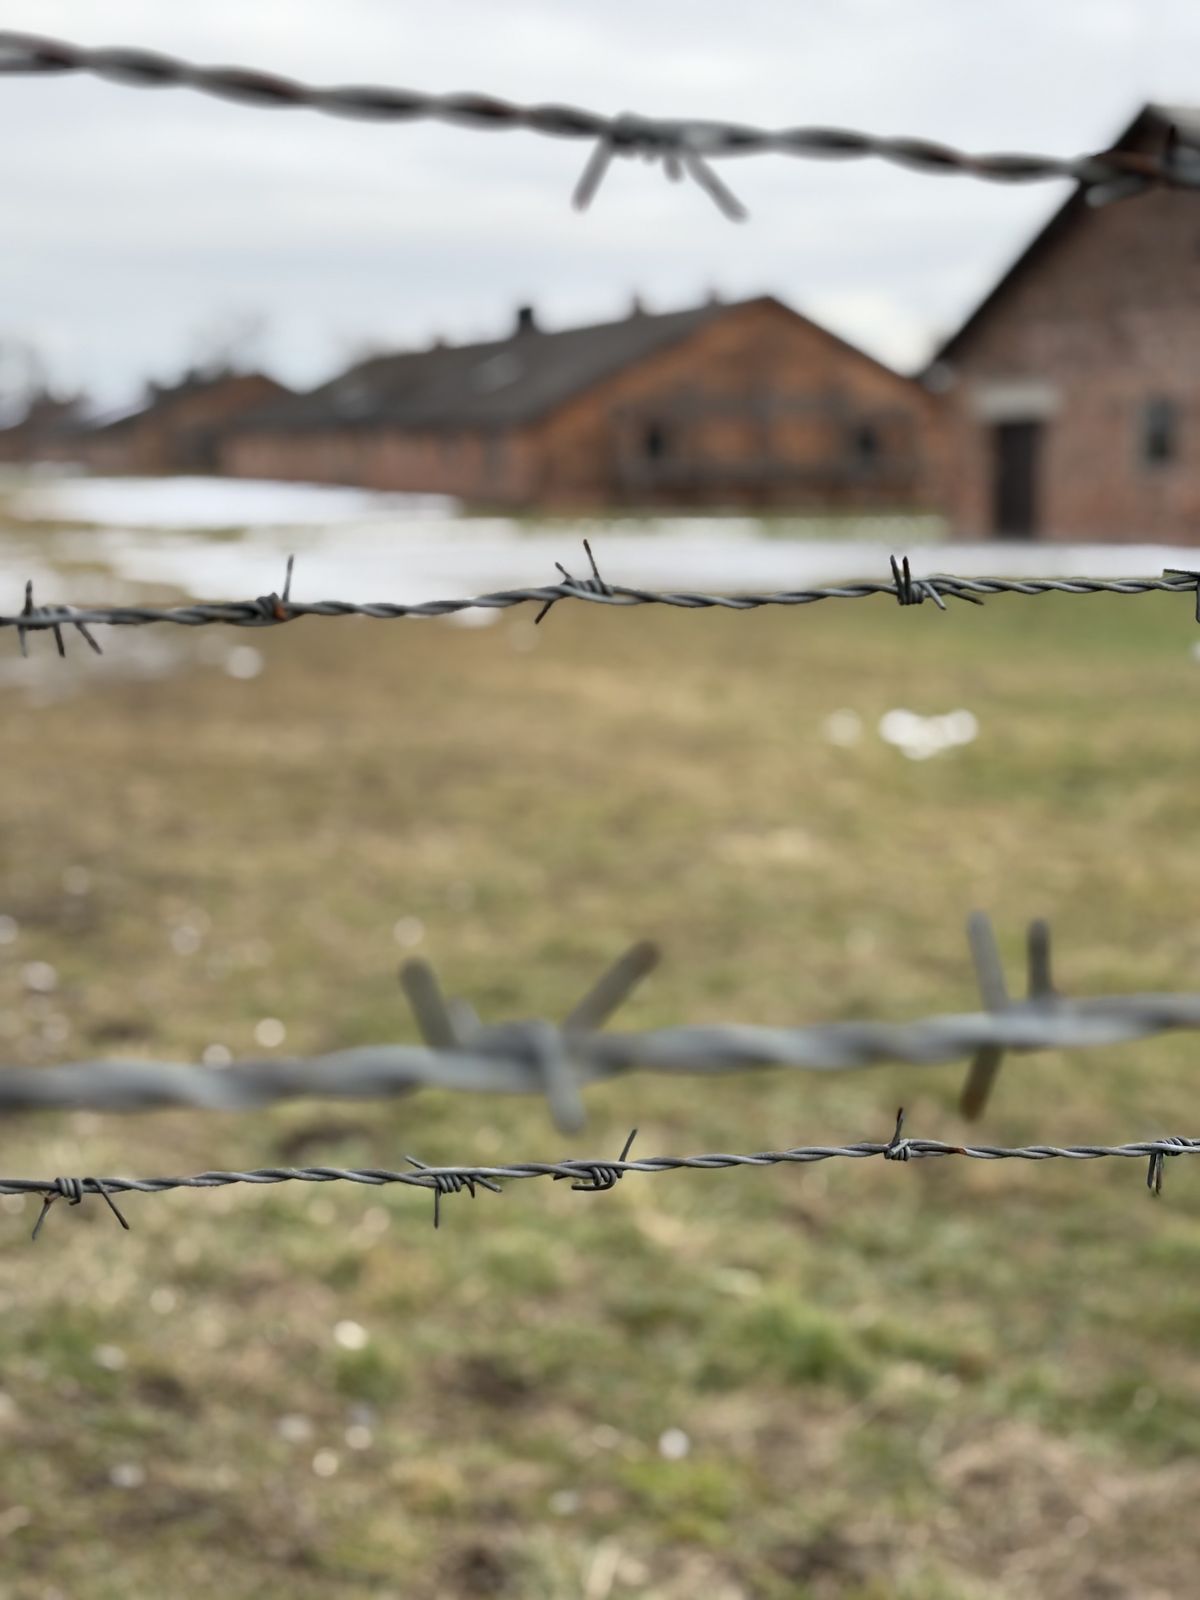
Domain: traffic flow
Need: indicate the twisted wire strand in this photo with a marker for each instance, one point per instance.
(510, 1058)
(594, 1172)
(684, 145)
(270, 611)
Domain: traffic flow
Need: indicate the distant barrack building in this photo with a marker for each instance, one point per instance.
(1073, 391)
(178, 428)
(734, 404)
(174, 428)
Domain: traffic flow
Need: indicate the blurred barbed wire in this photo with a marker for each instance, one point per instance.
(272, 610)
(595, 1175)
(684, 146)
(558, 1060)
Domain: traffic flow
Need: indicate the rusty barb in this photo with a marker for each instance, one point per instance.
(72, 1190)
(685, 148)
(274, 609)
(595, 1176)
(275, 606)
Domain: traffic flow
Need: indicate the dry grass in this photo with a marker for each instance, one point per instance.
(896, 1381)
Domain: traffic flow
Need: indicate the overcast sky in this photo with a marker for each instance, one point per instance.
(136, 223)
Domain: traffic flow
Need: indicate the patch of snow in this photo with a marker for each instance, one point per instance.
(212, 503)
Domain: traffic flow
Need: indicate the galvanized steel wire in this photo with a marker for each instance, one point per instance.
(595, 1175)
(557, 1060)
(515, 1064)
(685, 146)
(273, 610)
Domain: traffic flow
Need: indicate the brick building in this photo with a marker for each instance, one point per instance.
(741, 403)
(176, 429)
(45, 419)
(1073, 390)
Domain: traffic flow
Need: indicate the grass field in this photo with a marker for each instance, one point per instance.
(860, 1380)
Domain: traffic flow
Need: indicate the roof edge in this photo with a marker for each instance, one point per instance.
(1151, 116)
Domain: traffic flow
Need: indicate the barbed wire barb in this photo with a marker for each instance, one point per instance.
(989, 973)
(638, 136)
(454, 1025)
(682, 145)
(443, 1183)
(603, 1175)
(33, 617)
(595, 585)
(1193, 582)
(72, 1190)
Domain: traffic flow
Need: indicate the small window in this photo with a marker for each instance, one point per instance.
(656, 442)
(866, 444)
(1160, 431)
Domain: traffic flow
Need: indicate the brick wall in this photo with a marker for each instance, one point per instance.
(1102, 319)
(758, 407)
(179, 432)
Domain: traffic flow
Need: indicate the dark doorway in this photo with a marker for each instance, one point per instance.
(1016, 455)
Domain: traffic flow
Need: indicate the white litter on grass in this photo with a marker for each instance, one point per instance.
(244, 661)
(843, 728)
(39, 977)
(351, 1335)
(919, 737)
(270, 1033)
(216, 1055)
(408, 932)
(295, 1428)
(185, 939)
(674, 1444)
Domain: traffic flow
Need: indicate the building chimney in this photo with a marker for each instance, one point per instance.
(526, 321)
(637, 306)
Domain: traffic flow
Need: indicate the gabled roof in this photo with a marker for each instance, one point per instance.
(1152, 125)
(161, 399)
(501, 383)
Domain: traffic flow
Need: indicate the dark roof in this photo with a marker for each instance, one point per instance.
(162, 397)
(503, 383)
(1152, 124)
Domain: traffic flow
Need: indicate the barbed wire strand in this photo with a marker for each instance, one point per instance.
(594, 1175)
(273, 610)
(684, 146)
(558, 1060)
